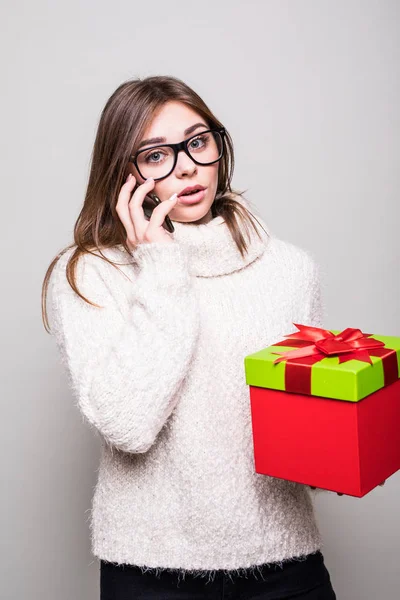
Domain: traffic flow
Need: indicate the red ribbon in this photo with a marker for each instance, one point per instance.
(315, 344)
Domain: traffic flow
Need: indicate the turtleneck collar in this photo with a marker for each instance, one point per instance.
(212, 250)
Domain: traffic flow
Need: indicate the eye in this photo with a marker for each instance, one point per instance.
(199, 142)
(148, 157)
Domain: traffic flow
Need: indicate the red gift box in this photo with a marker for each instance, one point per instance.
(315, 419)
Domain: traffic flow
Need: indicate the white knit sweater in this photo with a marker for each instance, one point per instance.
(159, 373)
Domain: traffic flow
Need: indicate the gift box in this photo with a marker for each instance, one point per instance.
(325, 408)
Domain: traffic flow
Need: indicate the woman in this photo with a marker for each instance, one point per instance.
(153, 326)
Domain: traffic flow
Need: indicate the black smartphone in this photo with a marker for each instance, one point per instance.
(149, 203)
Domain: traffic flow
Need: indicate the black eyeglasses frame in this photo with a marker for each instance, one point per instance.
(181, 146)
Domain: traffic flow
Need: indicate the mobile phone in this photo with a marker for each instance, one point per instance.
(149, 203)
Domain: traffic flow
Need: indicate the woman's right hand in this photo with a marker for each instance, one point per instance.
(130, 210)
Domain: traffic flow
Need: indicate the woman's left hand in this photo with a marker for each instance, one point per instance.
(339, 493)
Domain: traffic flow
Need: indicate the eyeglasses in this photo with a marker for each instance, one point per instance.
(204, 148)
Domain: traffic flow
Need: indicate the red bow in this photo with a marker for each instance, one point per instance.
(348, 344)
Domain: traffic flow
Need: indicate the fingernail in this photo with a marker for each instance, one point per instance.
(174, 196)
(150, 179)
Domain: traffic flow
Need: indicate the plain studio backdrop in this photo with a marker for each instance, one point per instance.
(309, 91)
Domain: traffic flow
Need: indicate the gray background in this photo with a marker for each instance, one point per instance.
(310, 93)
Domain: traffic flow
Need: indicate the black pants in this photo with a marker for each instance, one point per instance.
(306, 579)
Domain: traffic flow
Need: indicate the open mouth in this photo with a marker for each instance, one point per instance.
(193, 196)
(192, 192)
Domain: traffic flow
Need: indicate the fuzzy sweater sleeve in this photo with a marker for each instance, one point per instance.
(314, 307)
(125, 369)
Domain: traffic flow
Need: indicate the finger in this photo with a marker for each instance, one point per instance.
(122, 208)
(160, 212)
(140, 223)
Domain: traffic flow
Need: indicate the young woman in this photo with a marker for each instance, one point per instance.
(153, 326)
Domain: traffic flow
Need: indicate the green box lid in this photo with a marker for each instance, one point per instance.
(352, 380)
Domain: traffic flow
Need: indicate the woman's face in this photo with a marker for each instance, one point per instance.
(170, 123)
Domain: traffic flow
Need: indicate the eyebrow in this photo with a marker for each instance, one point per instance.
(159, 140)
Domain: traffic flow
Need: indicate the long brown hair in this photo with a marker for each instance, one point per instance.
(122, 124)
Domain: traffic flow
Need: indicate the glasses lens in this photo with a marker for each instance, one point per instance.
(155, 162)
(206, 147)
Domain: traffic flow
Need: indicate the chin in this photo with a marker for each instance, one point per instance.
(193, 213)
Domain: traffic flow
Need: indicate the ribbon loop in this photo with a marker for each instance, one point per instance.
(349, 344)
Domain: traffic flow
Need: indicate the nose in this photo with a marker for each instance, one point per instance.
(184, 165)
